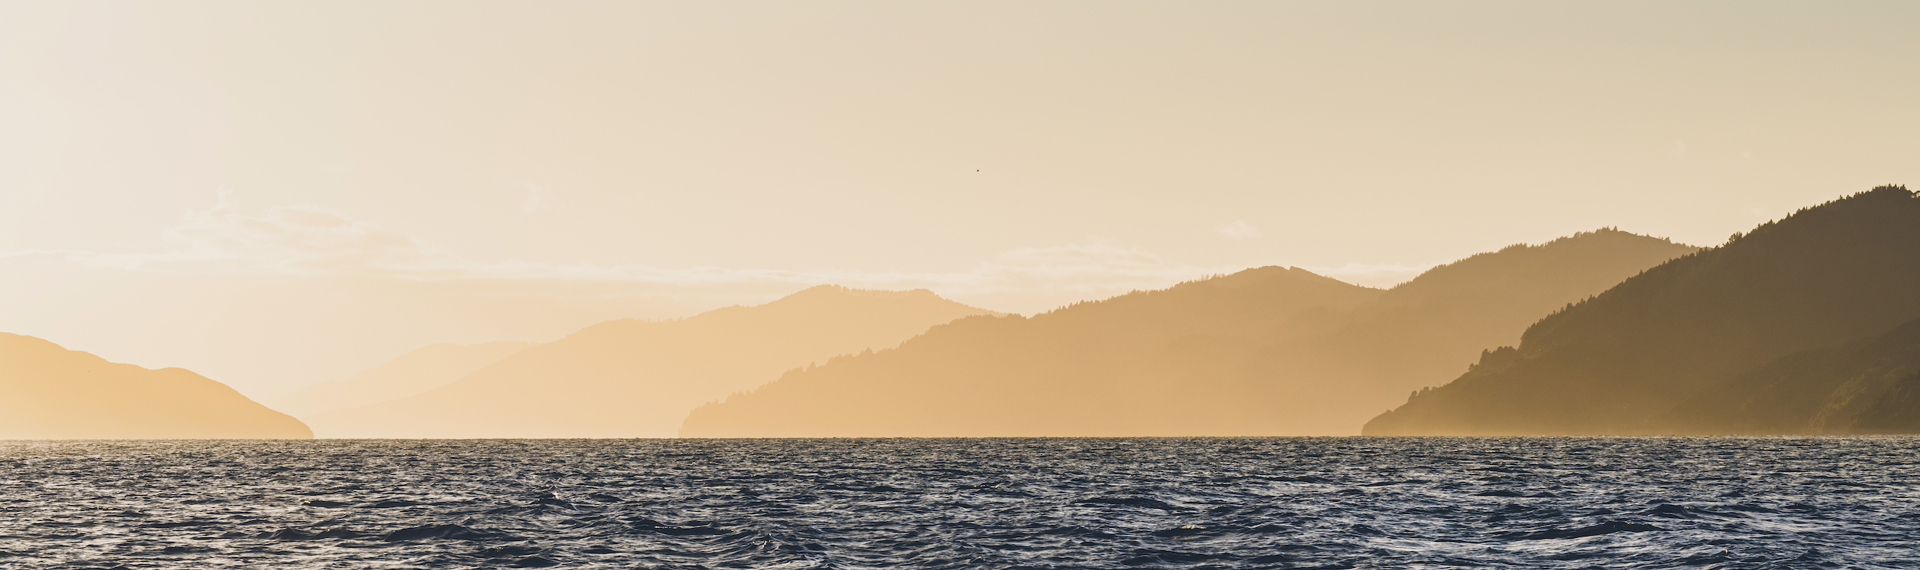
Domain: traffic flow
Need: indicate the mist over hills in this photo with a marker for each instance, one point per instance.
(49, 392)
(1086, 369)
(631, 378)
(411, 373)
(1265, 351)
(1666, 351)
(1867, 386)
(1424, 331)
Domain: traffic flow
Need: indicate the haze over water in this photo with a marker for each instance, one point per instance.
(279, 194)
(965, 503)
(1075, 284)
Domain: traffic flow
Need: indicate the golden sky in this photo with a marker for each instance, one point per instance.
(275, 193)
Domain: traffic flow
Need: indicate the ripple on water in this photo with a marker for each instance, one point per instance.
(965, 503)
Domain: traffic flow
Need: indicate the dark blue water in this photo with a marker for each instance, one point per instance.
(1043, 503)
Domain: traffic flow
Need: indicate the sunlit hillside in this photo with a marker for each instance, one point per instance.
(1620, 362)
(632, 378)
(49, 392)
(1268, 351)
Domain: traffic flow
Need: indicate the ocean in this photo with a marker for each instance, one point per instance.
(1820, 502)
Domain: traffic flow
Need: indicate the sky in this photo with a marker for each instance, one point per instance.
(274, 194)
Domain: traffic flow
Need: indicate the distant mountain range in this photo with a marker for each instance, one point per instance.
(1807, 325)
(1789, 328)
(1267, 351)
(631, 378)
(49, 392)
(412, 373)
(1424, 331)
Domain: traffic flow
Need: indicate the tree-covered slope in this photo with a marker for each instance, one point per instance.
(1866, 386)
(1427, 330)
(1268, 351)
(1618, 363)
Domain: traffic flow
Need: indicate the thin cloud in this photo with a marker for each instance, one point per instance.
(537, 200)
(304, 240)
(299, 239)
(1373, 274)
(1240, 230)
(310, 240)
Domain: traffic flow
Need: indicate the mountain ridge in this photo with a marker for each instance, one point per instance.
(50, 392)
(637, 378)
(1244, 301)
(1613, 364)
(1218, 356)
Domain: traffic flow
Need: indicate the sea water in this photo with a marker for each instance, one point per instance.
(965, 503)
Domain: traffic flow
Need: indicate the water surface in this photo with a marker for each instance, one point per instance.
(965, 503)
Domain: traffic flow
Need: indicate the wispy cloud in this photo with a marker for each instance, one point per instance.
(297, 239)
(1240, 230)
(1093, 268)
(537, 200)
(311, 240)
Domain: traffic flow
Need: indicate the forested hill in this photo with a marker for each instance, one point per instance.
(1866, 386)
(1268, 351)
(1142, 363)
(1621, 362)
(1426, 331)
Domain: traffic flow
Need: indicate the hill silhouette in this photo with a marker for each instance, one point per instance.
(1266, 351)
(49, 392)
(631, 378)
(1622, 362)
(1863, 387)
(1424, 331)
(429, 367)
(1110, 367)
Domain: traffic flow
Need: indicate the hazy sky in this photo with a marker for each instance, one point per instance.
(274, 193)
